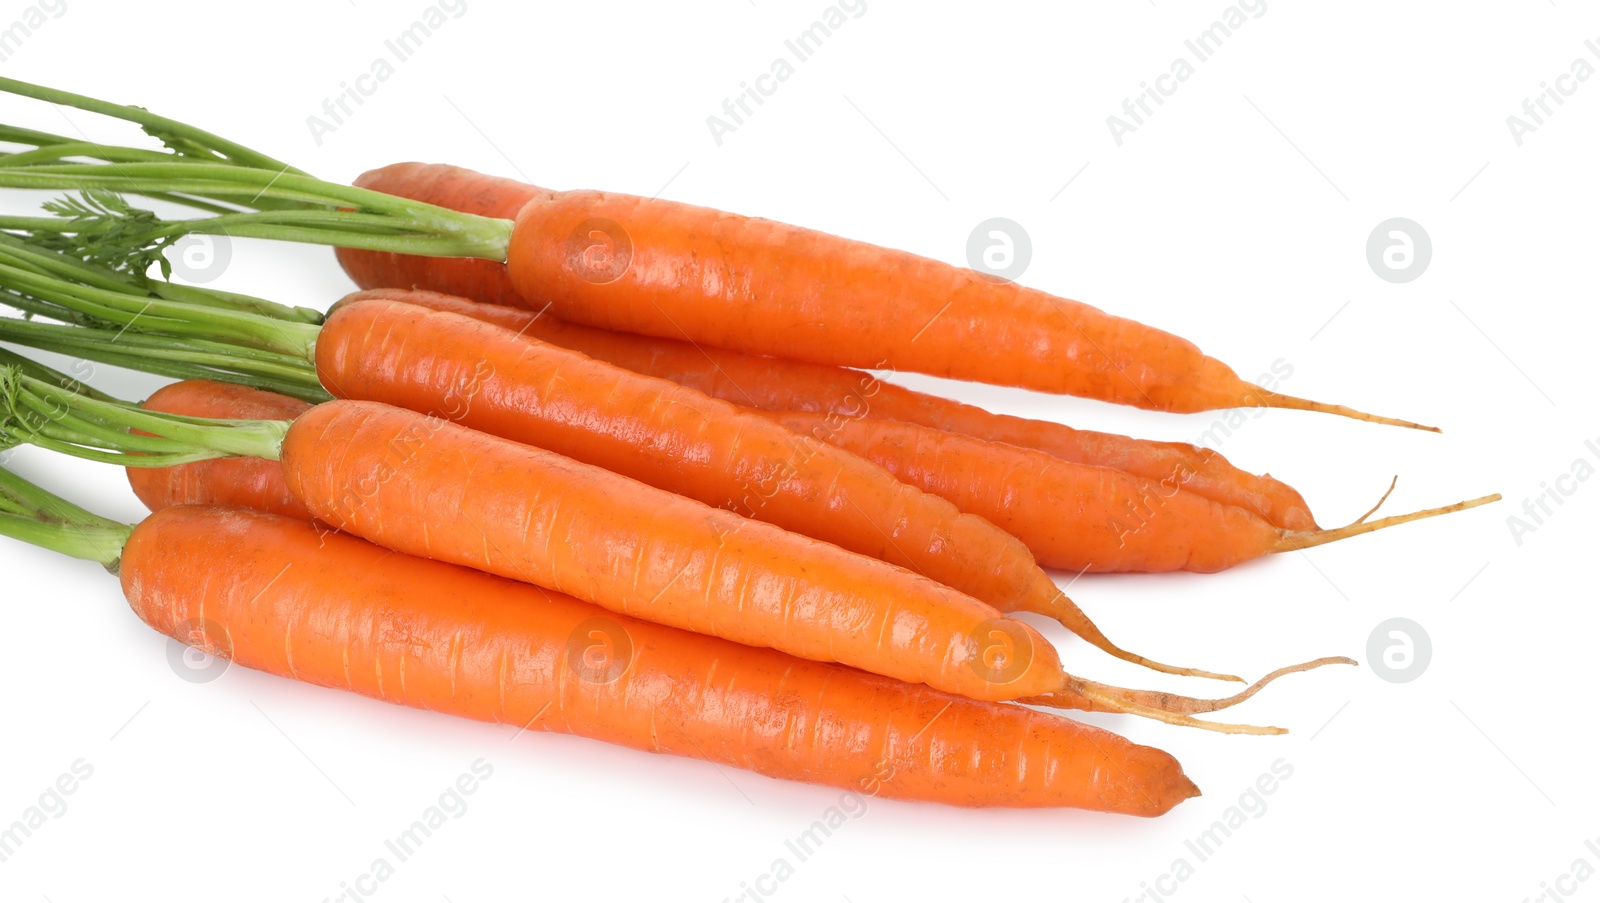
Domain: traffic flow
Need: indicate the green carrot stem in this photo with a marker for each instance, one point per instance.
(105, 295)
(16, 134)
(19, 253)
(9, 358)
(179, 135)
(143, 332)
(119, 458)
(213, 181)
(376, 221)
(341, 228)
(20, 497)
(100, 544)
(43, 261)
(179, 359)
(53, 149)
(200, 351)
(344, 231)
(33, 307)
(59, 153)
(332, 214)
(41, 518)
(171, 317)
(195, 438)
(212, 297)
(38, 416)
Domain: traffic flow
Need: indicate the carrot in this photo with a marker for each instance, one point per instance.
(1066, 515)
(677, 439)
(264, 489)
(278, 595)
(653, 430)
(259, 484)
(241, 482)
(667, 269)
(1139, 525)
(774, 384)
(428, 487)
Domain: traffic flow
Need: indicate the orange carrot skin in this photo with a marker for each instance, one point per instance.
(772, 384)
(776, 384)
(1200, 470)
(1129, 537)
(674, 270)
(1073, 517)
(262, 485)
(667, 436)
(245, 482)
(950, 546)
(427, 487)
(281, 596)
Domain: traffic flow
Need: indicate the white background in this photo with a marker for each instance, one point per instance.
(1236, 216)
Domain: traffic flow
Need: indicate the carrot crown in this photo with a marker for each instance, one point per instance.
(247, 193)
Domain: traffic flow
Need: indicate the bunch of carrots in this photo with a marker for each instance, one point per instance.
(620, 467)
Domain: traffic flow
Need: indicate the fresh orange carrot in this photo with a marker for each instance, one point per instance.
(1071, 516)
(680, 440)
(425, 486)
(655, 267)
(676, 271)
(281, 596)
(242, 482)
(773, 384)
(258, 483)
(654, 430)
(979, 477)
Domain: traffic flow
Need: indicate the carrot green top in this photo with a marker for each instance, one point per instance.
(40, 518)
(35, 516)
(186, 332)
(41, 412)
(247, 193)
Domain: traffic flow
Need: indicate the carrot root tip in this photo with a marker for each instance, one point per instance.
(1277, 400)
(1305, 539)
(1374, 509)
(1179, 710)
(1069, 615)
